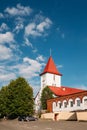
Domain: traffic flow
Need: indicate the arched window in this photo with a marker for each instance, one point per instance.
(64, 103)
(77, 101)
(84, 100)
(70, 102)
(59, 104)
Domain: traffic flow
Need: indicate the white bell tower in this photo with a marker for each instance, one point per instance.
(49, 77)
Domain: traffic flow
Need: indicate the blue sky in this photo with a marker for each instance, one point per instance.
(29, 28)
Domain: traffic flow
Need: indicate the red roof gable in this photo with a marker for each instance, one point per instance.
(51, 67)
(61, 91)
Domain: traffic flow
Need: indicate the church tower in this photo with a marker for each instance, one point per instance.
(50, 75)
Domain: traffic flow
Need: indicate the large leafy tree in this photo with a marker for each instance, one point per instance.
(18, 98)
(46, 94)
(3, 101)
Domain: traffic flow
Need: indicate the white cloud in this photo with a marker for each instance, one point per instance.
(4, 27)
(30, 30)
(40, 58)
(34, 50)
(7, 76)
(19, 10)
(5, 53)
(18, 27)
(27, 42)
(7, 37)
(34, 29)
(1, 15)
(60, 66)
(44, 25)
(29, 68)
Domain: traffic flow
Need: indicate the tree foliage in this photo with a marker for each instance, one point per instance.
(16, 99)
(46, 94)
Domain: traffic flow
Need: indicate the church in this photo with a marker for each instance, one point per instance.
(65, 98)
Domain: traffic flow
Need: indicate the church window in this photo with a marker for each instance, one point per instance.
(60, 104)
(65, 104)
(71, 103)
(78, 102)
(85, 100)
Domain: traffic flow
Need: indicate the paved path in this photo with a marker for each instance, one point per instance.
(43, 125)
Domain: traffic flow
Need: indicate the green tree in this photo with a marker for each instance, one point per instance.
(19, 98)
(46, 94)
(3, 101)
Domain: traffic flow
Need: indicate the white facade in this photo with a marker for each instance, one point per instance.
(70, 105)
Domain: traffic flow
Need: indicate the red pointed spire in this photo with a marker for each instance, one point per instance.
(51, 67)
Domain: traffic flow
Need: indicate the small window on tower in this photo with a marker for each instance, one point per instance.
(54, 77)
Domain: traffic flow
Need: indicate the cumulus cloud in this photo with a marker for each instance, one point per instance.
(40, 58)
(7, 76)
(1, 15)
(60, 66)
(30, 30)
(5, 53)
(34, 29)
(7, 37)
(12, 64)
(4, 27)
(18, 27)
(44, 25)
(27, 42)
(19, 10)
(35, 50)
(29, 68)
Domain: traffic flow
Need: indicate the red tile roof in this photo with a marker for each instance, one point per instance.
(61, 91)
(51, 67)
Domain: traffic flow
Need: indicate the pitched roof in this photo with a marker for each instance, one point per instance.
(62, 91)
(51, 67)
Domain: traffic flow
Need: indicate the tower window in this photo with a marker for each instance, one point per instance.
(54, 77)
